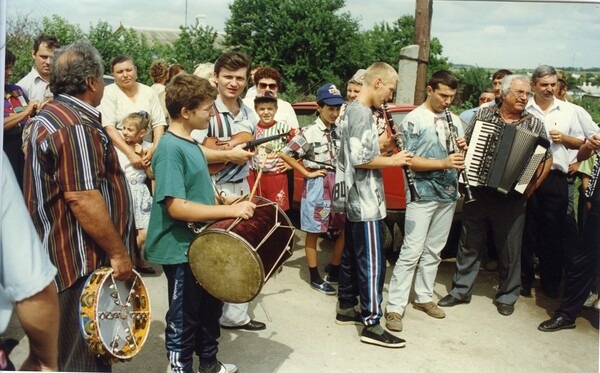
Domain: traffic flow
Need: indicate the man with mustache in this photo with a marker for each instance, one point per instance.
(505, 214)
(547, 208)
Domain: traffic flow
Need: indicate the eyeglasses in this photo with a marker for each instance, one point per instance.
(265, 86)
(519, 94)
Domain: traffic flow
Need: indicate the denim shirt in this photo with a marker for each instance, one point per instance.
(427, 135)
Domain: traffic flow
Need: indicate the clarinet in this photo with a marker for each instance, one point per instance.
(589, 192)
(453, 139)
(410, 179)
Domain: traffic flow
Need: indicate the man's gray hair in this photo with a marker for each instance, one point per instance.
(72, 65)
(509, 79)
(542, 71)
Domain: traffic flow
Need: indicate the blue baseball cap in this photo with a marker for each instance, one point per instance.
(329, 95)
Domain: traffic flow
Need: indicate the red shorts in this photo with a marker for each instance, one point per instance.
(273, 187)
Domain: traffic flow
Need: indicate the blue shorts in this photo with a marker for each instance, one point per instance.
(316, 215)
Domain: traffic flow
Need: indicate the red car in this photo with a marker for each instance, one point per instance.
(393, 183)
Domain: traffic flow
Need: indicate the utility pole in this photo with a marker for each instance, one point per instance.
(423, 13)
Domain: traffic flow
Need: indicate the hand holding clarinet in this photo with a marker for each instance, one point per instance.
(456, 155)
(410, 180)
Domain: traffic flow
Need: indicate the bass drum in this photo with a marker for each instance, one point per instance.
(233, 258)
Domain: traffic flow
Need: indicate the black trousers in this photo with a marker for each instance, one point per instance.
(544, 232)
(581, 266)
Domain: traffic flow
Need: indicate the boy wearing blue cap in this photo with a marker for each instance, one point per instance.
(317, 146)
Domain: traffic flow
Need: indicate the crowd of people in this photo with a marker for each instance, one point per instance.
(113, 176)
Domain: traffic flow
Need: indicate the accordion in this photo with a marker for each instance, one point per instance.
(503, 157)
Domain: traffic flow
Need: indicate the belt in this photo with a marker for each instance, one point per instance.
(136, 181)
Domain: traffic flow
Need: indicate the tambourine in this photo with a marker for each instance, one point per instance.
(115, 315)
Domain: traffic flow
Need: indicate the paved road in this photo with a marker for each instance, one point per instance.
(301, 334)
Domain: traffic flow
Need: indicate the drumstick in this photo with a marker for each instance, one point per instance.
(268, 149)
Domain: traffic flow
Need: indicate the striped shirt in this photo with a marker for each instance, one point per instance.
(223, 126)
(270, 164)
(69, 151)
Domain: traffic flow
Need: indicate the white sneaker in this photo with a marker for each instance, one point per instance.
(220, 368)
(589, 302)
(228, 368)
(596, 305)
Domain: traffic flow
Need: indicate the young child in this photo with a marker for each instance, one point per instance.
(273, 184)
(135, 127)
(184, 193)
(317, 145)
(359, 192)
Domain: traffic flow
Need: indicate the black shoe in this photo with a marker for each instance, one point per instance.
(450, 301)
(348, 320)
(551, 293)
(525, 290)
(504, 309)
(252, 326)
(375, 335)
(145, 270)
(556, 323)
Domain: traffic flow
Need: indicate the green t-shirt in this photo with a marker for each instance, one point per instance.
(181, 171)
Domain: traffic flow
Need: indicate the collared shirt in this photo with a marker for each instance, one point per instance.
(35, 87)
(428, 136)
(358, 191)
(316, 145)
(223, 126)
(562, 118)
(69, 151)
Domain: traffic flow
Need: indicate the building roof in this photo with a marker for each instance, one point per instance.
(165, 36)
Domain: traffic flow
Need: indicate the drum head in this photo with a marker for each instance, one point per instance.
(226, 266)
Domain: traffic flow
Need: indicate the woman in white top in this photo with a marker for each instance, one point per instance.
(128, 96)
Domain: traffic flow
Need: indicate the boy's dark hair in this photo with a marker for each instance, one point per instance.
(120, 59)
(189, 91)
(269, 73)
(442, 77)
(9, 58)
(268, 96)
(233, 61)
(50, 40)
(498, 75)
(175, 69)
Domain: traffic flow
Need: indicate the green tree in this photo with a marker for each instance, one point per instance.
(386, 40)
(65, 32)
(310, 42)
(472, 82)
(196, 44)
(20, 32)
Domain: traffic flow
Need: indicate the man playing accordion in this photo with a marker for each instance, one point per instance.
(505, 213)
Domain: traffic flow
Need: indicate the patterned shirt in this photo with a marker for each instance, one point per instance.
(428, 136)
(69, 151)
(358, 191)
(316, 145)
(14, 103)
(223, 126)
(270, 165)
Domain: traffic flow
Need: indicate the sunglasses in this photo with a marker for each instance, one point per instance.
(265, 85)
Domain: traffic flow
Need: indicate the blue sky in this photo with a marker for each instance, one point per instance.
(483, 33)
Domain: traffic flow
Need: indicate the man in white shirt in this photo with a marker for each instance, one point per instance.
(547, 207)
(35, 85)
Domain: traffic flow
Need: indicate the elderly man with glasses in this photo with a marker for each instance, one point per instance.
(505, 213)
